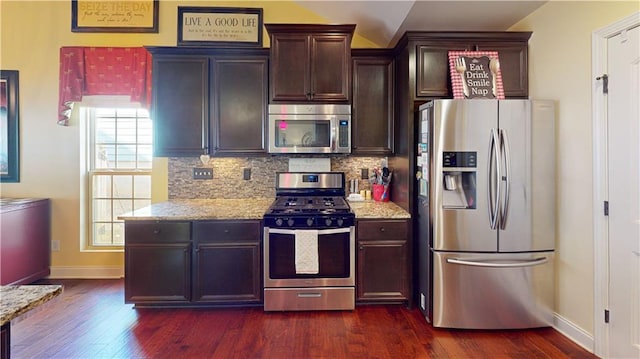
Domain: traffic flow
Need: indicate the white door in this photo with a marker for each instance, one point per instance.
(623, 125)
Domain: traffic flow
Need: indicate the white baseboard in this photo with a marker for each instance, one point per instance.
(574, 332)
(86, 272)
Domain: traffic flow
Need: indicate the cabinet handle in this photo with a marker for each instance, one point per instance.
(361, 248)
(382, 229)
(156, 231)
(226, 231)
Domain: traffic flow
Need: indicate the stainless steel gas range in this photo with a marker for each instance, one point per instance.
(309, 244)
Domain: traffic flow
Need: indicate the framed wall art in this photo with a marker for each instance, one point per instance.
(476, 74)
(114, 16)
(219, 26)
(9, 132)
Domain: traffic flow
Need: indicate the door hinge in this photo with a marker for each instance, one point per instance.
(605, 82)
(606, 315)
(606, 208)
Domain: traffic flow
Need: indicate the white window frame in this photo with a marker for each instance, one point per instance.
(87, 109)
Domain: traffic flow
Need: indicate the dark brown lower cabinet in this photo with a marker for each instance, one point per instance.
(227, 262)
(193, 263)
(157, 262)
(383, 261)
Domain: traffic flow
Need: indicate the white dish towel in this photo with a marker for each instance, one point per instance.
(306, 251)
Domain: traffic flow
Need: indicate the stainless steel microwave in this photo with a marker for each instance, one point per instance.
(309, 128)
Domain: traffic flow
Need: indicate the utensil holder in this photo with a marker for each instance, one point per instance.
(380, 193)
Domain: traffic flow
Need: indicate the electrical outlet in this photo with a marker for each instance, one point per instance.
(364, 173)
(202, 173)
(246, 174)
(55, 245)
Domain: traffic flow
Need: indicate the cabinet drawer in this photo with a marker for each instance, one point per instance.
(384, 229)
(225, 230)
(157, 232)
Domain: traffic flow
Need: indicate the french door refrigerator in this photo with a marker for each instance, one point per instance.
(486, 213)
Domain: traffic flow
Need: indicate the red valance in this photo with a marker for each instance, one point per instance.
(103, 71)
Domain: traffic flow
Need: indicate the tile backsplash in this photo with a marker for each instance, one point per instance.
(228, 179)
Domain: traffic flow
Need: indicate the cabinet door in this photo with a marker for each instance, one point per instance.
(290, 79)
(433, 78)
(383, 261)
(158, 273)
(180, 105)
(513, 66)
(239, 110)
(373, 98)
(227, 262)
(330, 68)
(227, 272)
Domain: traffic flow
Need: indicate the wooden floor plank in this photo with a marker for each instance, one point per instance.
(90, 320)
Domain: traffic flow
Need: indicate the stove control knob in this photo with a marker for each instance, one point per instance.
(309, 222)
(290, 222)
(327, 222)
(279, 222)
(340, 221)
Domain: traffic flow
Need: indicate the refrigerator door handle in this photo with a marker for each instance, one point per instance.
(493, 184)
(501, 264)
(504, 148)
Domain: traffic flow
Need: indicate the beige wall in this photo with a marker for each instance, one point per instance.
(560, 69)
(32, 33)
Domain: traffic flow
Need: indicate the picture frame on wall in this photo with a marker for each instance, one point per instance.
(219, 26)
(115, 16)
(9, 131)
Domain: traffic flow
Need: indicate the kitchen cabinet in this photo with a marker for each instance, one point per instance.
(310, 63)
(383, 261)
(227, 262)
(239, 99)
(157, 262)
(184, 263)
(373, 99)
(433, 75)
(180, 107)
(209, 100)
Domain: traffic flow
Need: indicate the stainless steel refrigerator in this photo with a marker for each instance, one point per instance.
(486, 213)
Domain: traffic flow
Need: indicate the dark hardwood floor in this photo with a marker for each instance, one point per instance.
(90, 320)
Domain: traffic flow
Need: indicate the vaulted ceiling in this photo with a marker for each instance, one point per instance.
(383, 22)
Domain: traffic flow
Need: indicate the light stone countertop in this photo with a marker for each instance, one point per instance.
(202, 209)
(19, 299)
(373, 209)
(247, 208)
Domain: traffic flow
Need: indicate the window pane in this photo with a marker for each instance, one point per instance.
(127, 112)
(122, 186)
(105, 157)
(102, 210)
(142, 186)
(102, 234)
(144, 131)
(126, 130)
(121, 206)
(126, 155)
(145, 157)
(101, 186)
(105, 112)
(105, 130)
(118, 234)
(140, 203)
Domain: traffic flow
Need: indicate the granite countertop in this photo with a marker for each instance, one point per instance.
(373, 209)
(202, 209)
(12, 204)
(246, 208)
(19, 299)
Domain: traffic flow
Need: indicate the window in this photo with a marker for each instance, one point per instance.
(119, 170)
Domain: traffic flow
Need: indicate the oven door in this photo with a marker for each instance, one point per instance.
(336, 259)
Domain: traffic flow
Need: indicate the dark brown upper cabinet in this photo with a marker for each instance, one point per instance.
(239, 99)
(373, 99)
(180, 106)
(310, 63)
(432, 66)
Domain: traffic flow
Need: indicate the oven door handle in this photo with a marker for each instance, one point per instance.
(320, 231)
